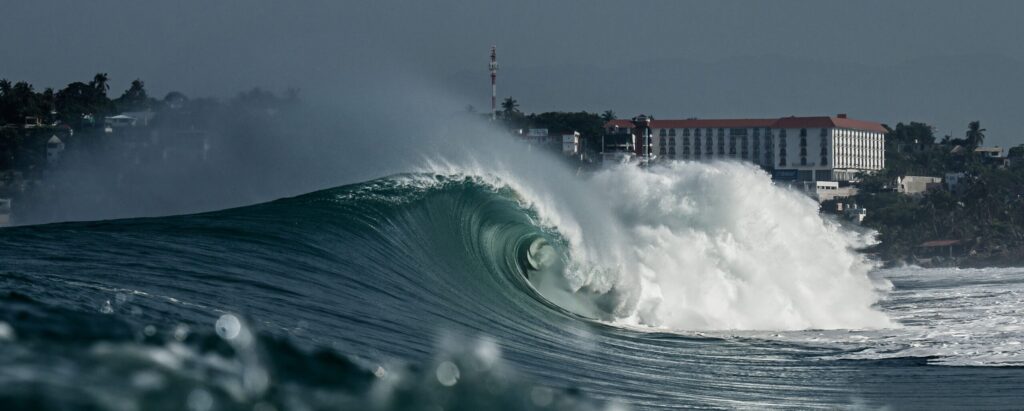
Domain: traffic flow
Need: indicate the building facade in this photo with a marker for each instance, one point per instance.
(792, 148)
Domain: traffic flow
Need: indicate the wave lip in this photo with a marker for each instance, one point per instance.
(688, 246)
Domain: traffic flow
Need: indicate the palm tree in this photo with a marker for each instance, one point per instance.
(608, 115)
(509, 106)
(100, 82)
(975, 134)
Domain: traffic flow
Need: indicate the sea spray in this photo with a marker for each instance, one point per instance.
(694, 246)
(719, 246)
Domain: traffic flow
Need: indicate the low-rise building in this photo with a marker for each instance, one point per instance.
(571, 143)
(989, 152)
(954, 181)
(119, 121)
(917, 184)
(54, 148)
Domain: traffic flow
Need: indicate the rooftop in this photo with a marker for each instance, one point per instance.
(840, 121)
(939, 243)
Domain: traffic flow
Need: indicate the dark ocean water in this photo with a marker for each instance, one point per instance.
(386, 295)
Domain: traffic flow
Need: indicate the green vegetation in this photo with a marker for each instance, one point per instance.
(77, 115)
(589, 125)
(984, 212)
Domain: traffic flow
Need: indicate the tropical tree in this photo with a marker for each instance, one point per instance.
(99, 82)
(510, 107)
(975, 134)
(608, 115)
(135, 98)
(78, 99)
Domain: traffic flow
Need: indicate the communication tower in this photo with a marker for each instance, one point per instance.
(494, 82)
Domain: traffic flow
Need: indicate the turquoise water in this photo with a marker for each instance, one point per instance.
(392, 295)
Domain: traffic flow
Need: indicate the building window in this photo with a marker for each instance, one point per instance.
(709, 145)
(732, 146)
(696, 132)
(782, 147)
(756, 148)
(661, 133)
(661, 144)
(696, 145)
(824, 149)
(686, 132)
(671, 132)
(686, 146)
(743, 148)
(824, 132)
(721, 145)
(721, 132)
(803, 132)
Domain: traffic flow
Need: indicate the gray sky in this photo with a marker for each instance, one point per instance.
(938, 61)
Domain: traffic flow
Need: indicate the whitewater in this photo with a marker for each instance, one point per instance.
(485, 283)
(697, 246)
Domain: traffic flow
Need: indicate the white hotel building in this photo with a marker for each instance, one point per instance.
(792, 148)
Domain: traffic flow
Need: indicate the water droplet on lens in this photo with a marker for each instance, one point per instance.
(447, 374)
(200, 400)
(542, 396)
(228, 326)
(6, 332)
(255, 380)
(106, 309)
(380, 372)
(149, 330)
(148, 380)
(264, 406)
(181, 332)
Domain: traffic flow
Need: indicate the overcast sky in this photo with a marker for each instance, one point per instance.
(939, 61)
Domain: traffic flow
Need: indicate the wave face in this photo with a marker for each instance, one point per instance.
(711, 247)
(646, 289)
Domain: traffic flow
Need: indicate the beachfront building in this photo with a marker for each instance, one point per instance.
(54, 148)
(792, 148)
(571, 143)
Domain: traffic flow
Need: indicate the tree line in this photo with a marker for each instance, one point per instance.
(985, 212)
(76, 104)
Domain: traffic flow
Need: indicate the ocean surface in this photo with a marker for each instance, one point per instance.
(691, 285)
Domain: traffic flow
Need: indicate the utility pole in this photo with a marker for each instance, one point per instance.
(494, 82)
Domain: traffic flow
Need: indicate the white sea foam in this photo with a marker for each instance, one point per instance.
(696, 246)
(954, 316)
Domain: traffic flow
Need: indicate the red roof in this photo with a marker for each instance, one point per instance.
(939, 243)
(785, 122)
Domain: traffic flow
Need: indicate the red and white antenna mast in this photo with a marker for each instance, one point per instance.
(494, 82)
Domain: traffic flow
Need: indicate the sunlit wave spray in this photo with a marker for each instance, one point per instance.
(692, 246)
